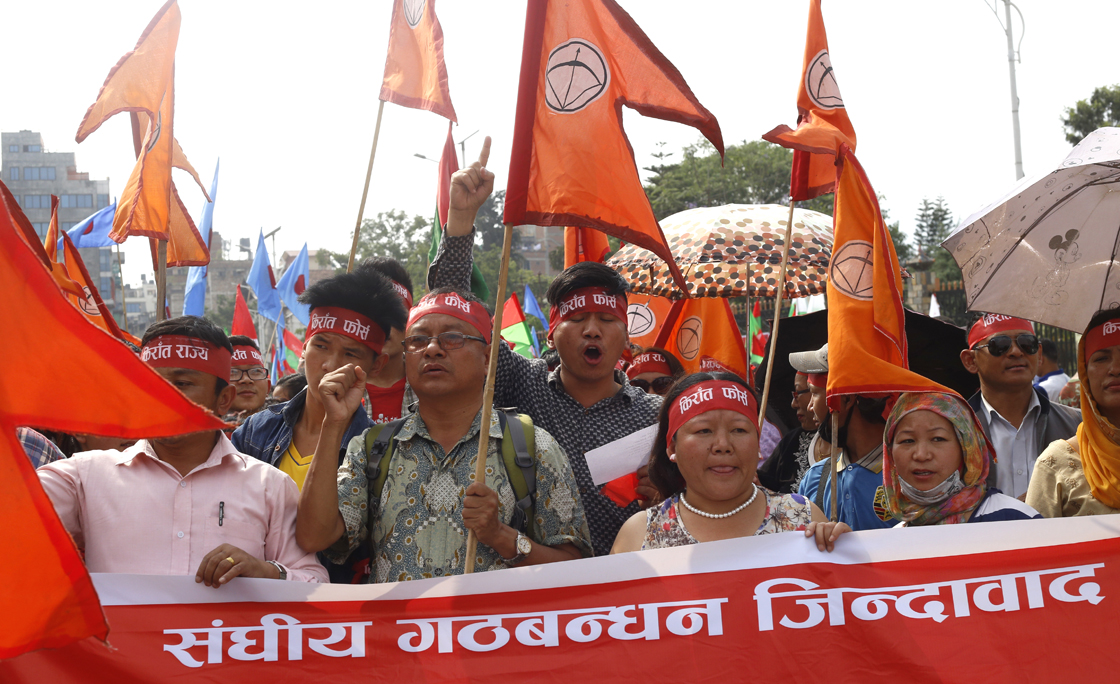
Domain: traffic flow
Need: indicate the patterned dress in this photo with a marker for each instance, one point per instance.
(784, 513)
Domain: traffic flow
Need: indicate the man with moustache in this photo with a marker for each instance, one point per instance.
(785, 467)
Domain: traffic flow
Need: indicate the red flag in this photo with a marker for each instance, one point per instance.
(822, 120)
(572, 164)
(415, 74)
(242, 319)
(866, 322)
(113, 394)
(448, 165)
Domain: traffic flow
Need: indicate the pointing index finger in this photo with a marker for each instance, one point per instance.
(484, 155)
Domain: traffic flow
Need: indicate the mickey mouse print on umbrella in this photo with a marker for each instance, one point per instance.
(1047, 250)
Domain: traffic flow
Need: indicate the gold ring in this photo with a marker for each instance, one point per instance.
(230, 560)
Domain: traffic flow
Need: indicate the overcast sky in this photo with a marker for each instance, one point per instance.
(286, 94)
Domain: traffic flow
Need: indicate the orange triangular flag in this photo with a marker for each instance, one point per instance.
(572, 164)
(822, 120)
(116, 395)
(703, 335)
(50, 246)
(584, 244)
(415, 75)
(866, 322)
(185, 246)
(90, 304)
(645, 317)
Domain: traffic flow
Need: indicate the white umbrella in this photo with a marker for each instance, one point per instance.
(1046, 251)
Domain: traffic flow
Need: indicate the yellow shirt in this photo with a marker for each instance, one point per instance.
(295, 465)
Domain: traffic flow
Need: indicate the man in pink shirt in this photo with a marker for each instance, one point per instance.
(185, 504)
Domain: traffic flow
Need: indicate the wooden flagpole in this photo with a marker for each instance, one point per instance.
(365, 190)
(777, 314)
(488, 393)
(161, 280)
(834, 461)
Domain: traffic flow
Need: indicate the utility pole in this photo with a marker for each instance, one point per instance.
(1012, 57)
(463, 147)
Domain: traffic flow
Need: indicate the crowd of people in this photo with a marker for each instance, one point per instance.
(361, 468)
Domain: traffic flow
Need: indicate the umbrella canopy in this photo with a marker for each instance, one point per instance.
(934, 352)
(1046, 251)
(734, 251)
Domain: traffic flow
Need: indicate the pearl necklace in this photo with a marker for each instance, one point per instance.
(716, 516)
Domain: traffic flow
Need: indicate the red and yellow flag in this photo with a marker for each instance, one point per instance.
(572, 164)
(822, 120)
(112, 393)
(143, 83)
(703, 335)
(584, 244)
(415, 74)
(866, 322)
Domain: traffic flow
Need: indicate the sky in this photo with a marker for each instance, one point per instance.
(286, 94)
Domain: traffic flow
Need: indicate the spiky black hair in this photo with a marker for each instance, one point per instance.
(364, 290)
(390, 268)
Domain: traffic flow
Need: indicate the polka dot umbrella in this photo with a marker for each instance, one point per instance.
(734, 251)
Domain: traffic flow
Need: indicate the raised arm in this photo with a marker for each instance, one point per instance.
(470, 188)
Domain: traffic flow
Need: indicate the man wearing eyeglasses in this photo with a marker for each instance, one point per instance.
(417, 523)
(1018, 418)
(249, 377)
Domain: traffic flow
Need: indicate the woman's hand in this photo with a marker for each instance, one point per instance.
(826, 533)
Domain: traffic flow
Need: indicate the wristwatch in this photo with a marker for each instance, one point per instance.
(283, 571)
(524, 547)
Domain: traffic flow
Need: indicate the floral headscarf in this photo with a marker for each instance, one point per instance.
(976, 455)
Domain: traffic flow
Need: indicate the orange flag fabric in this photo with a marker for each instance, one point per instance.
(645, 317)
(584, 244)
(822, 120)
(703, 334)
(572, 164)
(415, 74)
(866, 322)
(115, 395)
(143, 83)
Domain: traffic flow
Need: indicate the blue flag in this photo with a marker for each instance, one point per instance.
(533, 338)
(278, 351)
(94, 231)
(194, 297)
(263, 281)
(531, 307)
(292, 284)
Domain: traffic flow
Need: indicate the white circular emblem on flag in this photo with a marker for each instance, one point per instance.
(820, 83)
(852, 270)
(640, 320)
(689, 336)
(413, 11)
(575, 76)
(87, 304)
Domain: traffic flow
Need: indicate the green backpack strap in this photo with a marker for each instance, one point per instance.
(518, 449)
(379, 449)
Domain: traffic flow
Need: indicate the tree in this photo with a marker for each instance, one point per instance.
(392, 234)
(222, 313)
(1101, 109)
(754, 172)
(902, 246)
(935, 223)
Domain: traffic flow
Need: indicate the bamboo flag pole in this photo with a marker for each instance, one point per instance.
(488, 393)
(777, 313)
(365, 190)
(834, 461)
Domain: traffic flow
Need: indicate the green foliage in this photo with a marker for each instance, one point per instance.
(222, 313)
(392, 234)
(902, 246)
(1101, 109)
(934, 224)
(489, 261)
(755, 172)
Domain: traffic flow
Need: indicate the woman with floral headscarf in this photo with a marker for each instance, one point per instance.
(1081, 476)
(935, 464)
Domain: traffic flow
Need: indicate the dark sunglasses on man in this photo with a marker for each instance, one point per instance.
(659, 385)
(1001, 344)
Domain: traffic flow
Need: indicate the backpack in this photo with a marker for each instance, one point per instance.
(518, 446)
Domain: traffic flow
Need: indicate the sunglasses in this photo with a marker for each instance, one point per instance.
(659, 385)
(1001, 344)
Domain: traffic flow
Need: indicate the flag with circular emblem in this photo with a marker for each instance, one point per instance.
(415, 74)
(704, 336)
(572, 164)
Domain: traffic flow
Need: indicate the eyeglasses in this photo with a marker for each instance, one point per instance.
(798, 393)
(446, 341)
(1001, 344)
(259, 373)
(659, 385)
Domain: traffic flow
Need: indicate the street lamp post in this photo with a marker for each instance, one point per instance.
(1012, 57)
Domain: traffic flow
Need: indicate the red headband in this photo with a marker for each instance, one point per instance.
(710, 395)
(990, 324)
(335, 319)
(453, 305)
(817, 379)
(180, 351)
(587, 300)
(648, 362)
(402, 292)
(1105, 335)
(243, 355)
